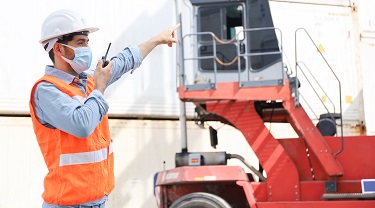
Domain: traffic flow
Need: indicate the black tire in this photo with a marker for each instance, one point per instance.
(200, 200)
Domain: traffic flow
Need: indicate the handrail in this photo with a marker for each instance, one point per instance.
(339, 83)
(255, 54)
(237, 58)
(330, 115)
(205, 57)
(308, 105)
(334, 107)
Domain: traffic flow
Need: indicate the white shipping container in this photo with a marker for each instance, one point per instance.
(368, 63)
(151, 90)
(366, 17)
(334, 30)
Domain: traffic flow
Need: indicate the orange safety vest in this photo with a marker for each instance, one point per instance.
(79, 170)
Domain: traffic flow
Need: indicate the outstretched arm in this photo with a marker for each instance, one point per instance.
(166, 37)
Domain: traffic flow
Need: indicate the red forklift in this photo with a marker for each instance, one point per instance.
(240, 79)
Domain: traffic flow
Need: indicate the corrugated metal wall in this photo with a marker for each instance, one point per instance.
(333, 29)
(367, 47)
(368, 63)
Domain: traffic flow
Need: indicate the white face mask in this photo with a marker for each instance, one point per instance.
(82, 58)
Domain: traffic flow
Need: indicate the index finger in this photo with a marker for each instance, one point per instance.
(175, 27)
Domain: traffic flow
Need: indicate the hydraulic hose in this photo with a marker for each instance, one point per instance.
(255, 171)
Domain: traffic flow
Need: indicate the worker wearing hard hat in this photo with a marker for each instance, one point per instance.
(69, 112)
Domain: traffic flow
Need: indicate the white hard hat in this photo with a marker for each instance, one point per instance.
(62, 22)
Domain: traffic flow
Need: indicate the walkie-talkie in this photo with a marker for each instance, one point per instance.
(104, 58)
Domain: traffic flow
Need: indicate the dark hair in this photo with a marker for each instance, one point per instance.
(64, 39)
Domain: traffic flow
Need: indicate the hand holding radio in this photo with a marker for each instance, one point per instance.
(104, 58)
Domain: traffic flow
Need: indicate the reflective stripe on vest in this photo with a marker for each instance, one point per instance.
(85, 157)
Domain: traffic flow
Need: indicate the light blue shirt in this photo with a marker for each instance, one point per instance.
(79, 116)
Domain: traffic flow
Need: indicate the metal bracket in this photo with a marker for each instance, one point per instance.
(205, 86)
(275, 82)
(330, 186)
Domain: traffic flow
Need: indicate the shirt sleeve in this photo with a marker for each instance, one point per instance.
(128, 59)
(74, 115)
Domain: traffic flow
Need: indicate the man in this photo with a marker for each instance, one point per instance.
(68, 111)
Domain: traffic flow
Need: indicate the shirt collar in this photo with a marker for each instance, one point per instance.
(66, 77)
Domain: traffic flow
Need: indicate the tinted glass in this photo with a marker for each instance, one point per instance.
(225, 21)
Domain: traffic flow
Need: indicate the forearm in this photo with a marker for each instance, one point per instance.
(78, 118)
(84, 119)
(128, 59)
(148, 46)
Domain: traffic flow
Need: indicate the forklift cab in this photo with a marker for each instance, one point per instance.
(233, 41)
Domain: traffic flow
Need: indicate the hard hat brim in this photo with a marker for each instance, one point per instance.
(89, 29)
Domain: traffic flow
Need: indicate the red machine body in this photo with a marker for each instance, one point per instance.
(299, 171)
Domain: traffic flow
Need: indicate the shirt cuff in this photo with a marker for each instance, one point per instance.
(137, 56)
(102, 103)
